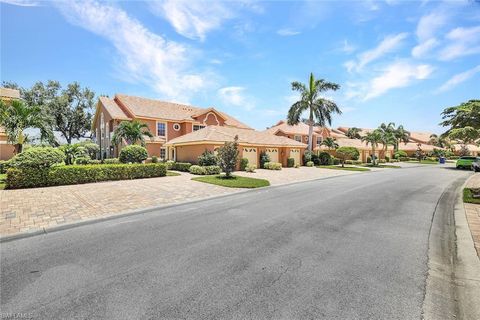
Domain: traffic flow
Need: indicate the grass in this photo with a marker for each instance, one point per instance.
(2, 180)
(382, 166)
(172, 174)
(423, 162)
(234, 182)
(468, 195)
(343, 168)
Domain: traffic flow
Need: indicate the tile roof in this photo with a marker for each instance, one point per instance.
(300, 129)
(9, 93)
(415, 136)
(150, 108)
(413, 146)
(357, 143)
(113, 109)
(223, 134)
(470, 147)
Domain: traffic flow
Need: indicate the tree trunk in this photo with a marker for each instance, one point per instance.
(310, 131)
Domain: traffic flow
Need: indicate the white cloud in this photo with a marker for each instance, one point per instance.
(387, 45)
(462, 42)
(193, 19)
(145, 57)
(22, 3)
(459, 78)
(235, 96)
(287, 32)
(347, 47)
(423, 48)
(397, 75)
(427, 27)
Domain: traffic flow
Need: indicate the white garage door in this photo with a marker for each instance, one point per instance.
(251, 155)
(272, 153)
(295, 154)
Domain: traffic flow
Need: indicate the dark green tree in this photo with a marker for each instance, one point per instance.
(228, 157)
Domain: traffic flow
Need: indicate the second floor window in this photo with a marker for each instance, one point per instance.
(161, 128)
(198, 127)
(319, 140)
(298, 138)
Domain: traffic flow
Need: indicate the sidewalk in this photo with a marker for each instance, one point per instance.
(473, 213)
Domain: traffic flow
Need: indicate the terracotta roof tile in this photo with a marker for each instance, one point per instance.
(113, 109)
(223, 134)
(300, 129)
(9, 93)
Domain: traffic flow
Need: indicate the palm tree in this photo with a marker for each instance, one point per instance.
(132, 132)
(330, 143)
(387, 134)
(17, 116)
(354, 133)
(373, 138)
(439, 141)
(320, 109)
(401, 135)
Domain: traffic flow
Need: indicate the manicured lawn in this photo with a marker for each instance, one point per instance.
(234, 182)
(344, 168)
(2, 181)
(382, 166)
(172, 174)
(468, 195)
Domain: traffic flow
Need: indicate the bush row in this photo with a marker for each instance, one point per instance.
(204, 170)
(77, 174)
(181, 166)
(273, 165)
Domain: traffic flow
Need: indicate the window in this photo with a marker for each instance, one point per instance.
(161, 129)
(298, 138)
(176, 126)
(198, 127)
(102, 125)
(306, 139)
(319, 140)
(162, 153)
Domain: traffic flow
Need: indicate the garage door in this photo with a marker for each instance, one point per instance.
(272, 153)
(295, 154)
(251, 155)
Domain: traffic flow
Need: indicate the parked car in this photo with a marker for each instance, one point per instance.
(476, 165)
(466, 162)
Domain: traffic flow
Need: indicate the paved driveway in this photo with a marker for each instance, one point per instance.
(353, 247)
(28, 210)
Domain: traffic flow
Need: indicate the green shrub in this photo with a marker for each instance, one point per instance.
(181, 166)
(381, 161)
(72, 152)
(95, 162)
(347, 153)
(133, 154)
(77, 174)
(308, 156)
(154, 159)
(404, 158)
(169, 164)
(264, 157)
(4, 165)
(204, 170)
(387, 158)
(369, 159)
(92, 149)
(324, 158)
(297, 165)
(243, 164)
(251, 168)
(290, 162)
(335, 161)
(310, 164)
(399, 154)
(83, 160)
(453, 157)
(348, 161)
(357, 162)
(38, 158)
(207, 158)
(111, 161)
(395, 160)
(273, 165)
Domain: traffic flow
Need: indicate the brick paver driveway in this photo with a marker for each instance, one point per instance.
(473, 213)
(33, 209)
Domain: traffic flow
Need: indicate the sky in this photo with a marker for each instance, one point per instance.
(395, 61)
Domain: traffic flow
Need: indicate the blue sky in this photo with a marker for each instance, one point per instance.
(399, 61)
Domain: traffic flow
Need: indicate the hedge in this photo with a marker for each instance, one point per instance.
(181, 166)
(272, 165)
(133, 154)
(78, 174)
(204, 170)
(38, 158)
(290, 162)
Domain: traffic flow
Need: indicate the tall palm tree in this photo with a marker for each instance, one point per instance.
(132, 132)
(401, 135)
(387, 134)
(16, 116)
(373, 138)
(330, 143)
(320, 109)
(353, 133)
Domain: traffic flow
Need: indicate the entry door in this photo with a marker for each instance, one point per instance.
(251, 155)
(295, 154)
(273, 154)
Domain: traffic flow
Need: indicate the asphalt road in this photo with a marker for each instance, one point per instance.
(350, 247)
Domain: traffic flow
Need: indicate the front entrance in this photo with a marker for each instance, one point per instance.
(250, 154)
(295, 154)
(272, 153)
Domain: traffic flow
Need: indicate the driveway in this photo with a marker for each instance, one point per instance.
(30, 210)
(353, 247)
